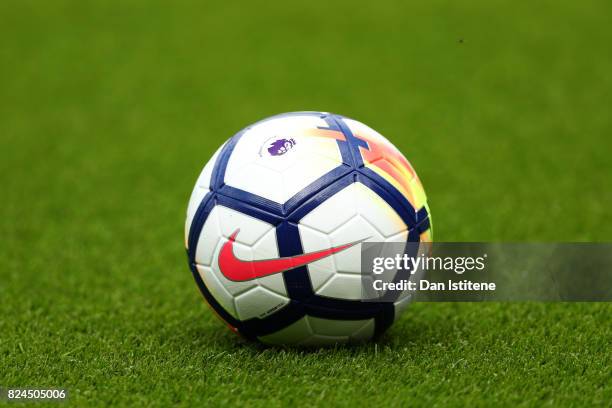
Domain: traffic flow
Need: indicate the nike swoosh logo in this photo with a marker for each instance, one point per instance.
(239, 271)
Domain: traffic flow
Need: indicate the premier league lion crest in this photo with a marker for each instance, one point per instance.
(279, 146)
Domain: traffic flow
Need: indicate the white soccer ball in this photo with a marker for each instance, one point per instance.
(275, 221)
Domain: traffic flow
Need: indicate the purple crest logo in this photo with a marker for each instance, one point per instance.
(280, 146)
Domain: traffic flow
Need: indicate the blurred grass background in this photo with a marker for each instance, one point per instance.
(108, 111)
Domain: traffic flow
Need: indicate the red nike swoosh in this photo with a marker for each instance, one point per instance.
(238, 270)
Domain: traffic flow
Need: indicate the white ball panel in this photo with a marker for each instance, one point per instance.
(258, 302)
(342, 286)
(258, 179)
(306, 169)
(278, 178)
(251, 229)
(356, 198)
(380, 215)
(334, 212)
(349, 261)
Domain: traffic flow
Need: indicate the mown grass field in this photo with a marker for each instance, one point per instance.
(108, 111)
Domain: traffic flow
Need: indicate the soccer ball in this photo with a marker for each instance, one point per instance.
(275, 221)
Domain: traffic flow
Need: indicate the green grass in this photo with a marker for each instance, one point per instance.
(108, 110)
